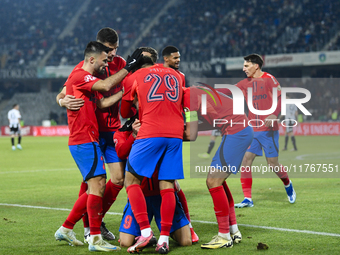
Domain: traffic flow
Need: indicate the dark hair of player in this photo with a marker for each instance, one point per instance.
(152, 51)
(94, 47)
(255, 59)
(107, 35)
(168, 50)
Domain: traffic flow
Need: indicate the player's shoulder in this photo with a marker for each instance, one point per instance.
(118, 60)
(270, 78)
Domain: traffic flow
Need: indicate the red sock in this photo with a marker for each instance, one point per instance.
(138, 205)
(83, 189)
(221, 207)
(95, 212)
(246, 182)
(77, 211)
(168, 207)
(282, 174)
(232, 215)
(184, 203)
(110, 195)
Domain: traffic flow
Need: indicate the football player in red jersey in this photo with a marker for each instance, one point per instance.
(84, 142)
(159, 142)
(108, 121)
(266, 134)
(237, 135)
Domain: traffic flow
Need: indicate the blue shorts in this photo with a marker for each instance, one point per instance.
(89, 159)
(107, 146)
(268, 140)
(230, 153)
(130, 226)
(165, 153)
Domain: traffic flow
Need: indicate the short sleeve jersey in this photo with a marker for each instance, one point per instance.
(291, 110)
(82, 123)
(14, 116)
(262, 98)
(108, 118)
(221, 113)
(160, 94)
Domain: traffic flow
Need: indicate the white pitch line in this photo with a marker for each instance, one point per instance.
(278, 229)
(198, 221)
(40, 170)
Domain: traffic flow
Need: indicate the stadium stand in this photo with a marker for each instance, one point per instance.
(52, 33)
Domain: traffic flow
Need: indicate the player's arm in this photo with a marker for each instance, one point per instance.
(105, 102)
(191, 127)
(112, 81)
(128, 100)
(123, 143)
(68, 101)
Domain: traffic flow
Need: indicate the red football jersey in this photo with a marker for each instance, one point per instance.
(82, 123)
(160, 94)
(222, 114)
(108, 118)
(262, 99)
(177, 71)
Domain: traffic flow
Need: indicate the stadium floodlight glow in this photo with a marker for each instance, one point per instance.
(238, 100)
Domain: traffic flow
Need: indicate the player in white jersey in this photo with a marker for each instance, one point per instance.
(14, 118)
(290, 122)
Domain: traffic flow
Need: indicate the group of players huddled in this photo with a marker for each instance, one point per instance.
(145, 154)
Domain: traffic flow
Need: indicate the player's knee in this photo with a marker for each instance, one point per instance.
(185, 241)
(125, 243)
(212, 183)
(117, 181)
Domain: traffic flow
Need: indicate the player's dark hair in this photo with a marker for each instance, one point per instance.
(94, 47)
(107, 35)
(168, 50)
(255, 59)
(152, 51)
(15, 105)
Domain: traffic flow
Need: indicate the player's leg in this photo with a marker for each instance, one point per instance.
(170, 168)
(183, 201)
(211, 145)
(286, 139)
(12, 137)
(19, 139)
(234, 231)
(214, 183)
(270, 146)
(292, 137)
(246, 180)
(182, 236)
(83, 189)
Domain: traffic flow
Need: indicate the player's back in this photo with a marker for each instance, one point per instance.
(160, 97)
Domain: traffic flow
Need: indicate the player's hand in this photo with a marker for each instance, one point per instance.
(72, 103)
(134, 60)
(135, 127)
(270, 120)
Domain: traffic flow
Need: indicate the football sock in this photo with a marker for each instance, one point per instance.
(184, 203)
(77, 211)
(95, 213)
(221, 207)
(225, 235)
(246, 182)
(232, 215)
(110, 195)
(282, 174)
(86, 231)
(138, 205)
(211, 146)
(12, 140)
(83, 189)
(286, 141)
(163, 239)
(294, 143)
(168, 207)
(146, 232)
(19, 139)
(233, 228)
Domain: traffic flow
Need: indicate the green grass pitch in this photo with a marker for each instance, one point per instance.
(44, 176)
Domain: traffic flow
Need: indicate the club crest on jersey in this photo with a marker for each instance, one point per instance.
(89, 78)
